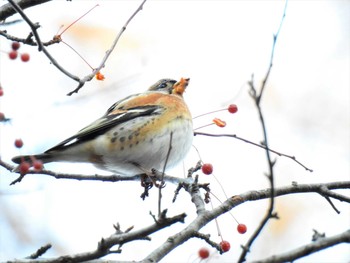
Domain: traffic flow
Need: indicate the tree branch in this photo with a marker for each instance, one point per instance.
(41, 47)
(81, 81)
(206, 216)
(255, 144)
(257, 99)
(92, 177)
(105, 245)
(7, 10)
(275, 37)
(308, 249)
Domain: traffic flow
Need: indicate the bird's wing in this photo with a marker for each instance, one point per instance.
(112, 118)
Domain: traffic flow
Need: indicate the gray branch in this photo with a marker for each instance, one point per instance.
(308, 249)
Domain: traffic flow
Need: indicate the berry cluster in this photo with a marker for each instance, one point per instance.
(204, 252)
(225, 246)
(207, 168)
(13, 54)
(232, 108)
(25, 165)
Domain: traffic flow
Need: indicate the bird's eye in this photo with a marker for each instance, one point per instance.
(162, 86)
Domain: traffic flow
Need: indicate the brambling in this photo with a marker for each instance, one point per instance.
(145, 131)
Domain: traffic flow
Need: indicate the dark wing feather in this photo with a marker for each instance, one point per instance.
(116, 104)
(105, 123)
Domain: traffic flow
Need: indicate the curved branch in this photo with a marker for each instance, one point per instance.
(105, 245)
(203, 216)
(206, 216)
(91, 177)
(308, 249)
(7, 10)
(255, 144)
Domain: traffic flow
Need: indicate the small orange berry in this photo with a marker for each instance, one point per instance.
(99, 76)
(219, 122)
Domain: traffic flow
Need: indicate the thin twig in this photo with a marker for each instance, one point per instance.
(108, 52)
(327, 194)
(255, 144)
(41, 251)
(32, 26)
(162, 175)
(275, 36)
(206, 238)
(257, 99)
(332, 205)
(91, 177)
(41, 47)
(340, 197)
(28, 40)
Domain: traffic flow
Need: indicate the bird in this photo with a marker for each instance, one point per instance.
(142, 132)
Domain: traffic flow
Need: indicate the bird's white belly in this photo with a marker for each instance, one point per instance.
(135, 154)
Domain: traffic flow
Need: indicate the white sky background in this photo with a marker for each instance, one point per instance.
(218, 44)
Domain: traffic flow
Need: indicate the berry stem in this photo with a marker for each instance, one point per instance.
(76, 52)
(206, 125)
(228, 211)
(207, 113)
(216, 222)
(78, 19)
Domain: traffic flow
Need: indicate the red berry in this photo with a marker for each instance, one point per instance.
(241, 228)
(207, 168)
(203, 253)
(25, 57)
(15, 45)
(13, 54)
(24, 167)
(225, 246)
(2, 116)
(1, 92)
(18, 143)
(38, 165)
(232, 108)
